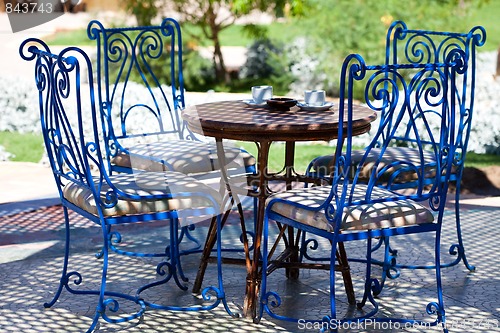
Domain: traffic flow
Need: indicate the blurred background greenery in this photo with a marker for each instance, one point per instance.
(307, 42)
(303, 46)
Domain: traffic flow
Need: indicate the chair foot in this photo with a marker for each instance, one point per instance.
(108, 301)
(63, 282)
(459, 251)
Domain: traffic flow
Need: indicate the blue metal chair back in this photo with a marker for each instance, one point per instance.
(152, 57)
(404, 45)
(66, 115)
(432, 89)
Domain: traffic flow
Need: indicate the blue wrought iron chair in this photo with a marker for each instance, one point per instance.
(152, 56)
(404, 45)
(70, 124)
(145, 131)
(355, 206)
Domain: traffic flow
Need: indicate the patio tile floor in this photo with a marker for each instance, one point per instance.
(31, 248)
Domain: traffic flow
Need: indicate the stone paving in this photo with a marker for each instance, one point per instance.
(31, 248)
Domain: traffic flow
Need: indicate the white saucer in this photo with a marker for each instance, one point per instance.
(307, 107)
(250, 102)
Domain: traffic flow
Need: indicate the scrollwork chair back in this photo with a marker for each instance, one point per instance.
(356, 206)
(417, 47)
(145, 130)
(404, 45)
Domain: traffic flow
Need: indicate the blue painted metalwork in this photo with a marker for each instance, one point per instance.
(70, 123)
(404, 45)
(426, 46)
(153, 56)
(399, 92)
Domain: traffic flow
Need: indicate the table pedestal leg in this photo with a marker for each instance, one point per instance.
(253, 274)
(291, 273)
(251, 298)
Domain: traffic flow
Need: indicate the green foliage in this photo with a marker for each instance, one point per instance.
(279, 8)
(198, 72)
(267, 63)
(144, 10)
(26, 147)
(338, 28)
(255, 31)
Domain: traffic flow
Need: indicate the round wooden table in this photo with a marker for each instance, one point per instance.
(263, 125)
(238, 121)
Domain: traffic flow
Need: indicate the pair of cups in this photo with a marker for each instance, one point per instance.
(260, 94)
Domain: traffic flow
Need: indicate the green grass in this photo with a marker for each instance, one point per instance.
(481, 160)
(27, 147)
(70, 37)
(232, 36)
(304, 153)
(487, 16)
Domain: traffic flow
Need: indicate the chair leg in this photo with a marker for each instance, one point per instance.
(346, 273)
(333, 304)
(177, 272)
(439, 307)
(222, 293)
(460, 246)
(101, 307)
(371, 284)
(108, 300)
(63, 280)
(209, 245)
(265, 299)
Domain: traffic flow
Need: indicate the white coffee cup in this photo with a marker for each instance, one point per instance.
(260, 94)
(314, 97)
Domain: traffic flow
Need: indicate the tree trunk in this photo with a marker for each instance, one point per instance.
(220, 68)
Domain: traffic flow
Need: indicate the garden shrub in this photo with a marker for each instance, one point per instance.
(267, 63)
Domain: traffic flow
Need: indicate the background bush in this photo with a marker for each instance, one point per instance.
(267, 63)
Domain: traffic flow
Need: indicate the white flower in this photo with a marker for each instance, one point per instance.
(18, 105)
(5, 155)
